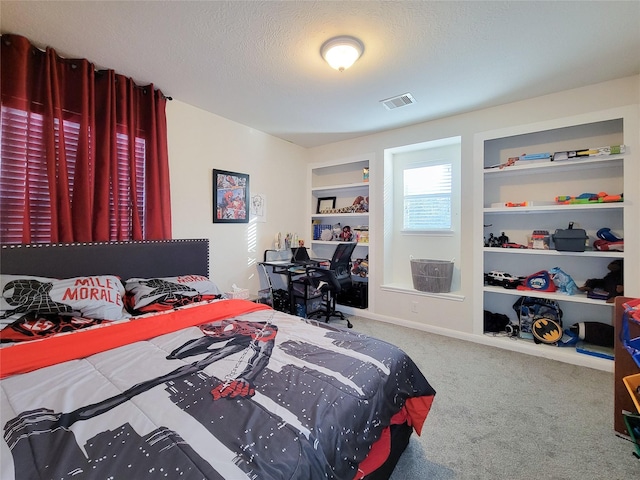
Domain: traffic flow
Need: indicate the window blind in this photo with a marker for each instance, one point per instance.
(25, 201)
(427, 197)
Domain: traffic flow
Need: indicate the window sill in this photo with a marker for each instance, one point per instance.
(431, 233)
(399, 288)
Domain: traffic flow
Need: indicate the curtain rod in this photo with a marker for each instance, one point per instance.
(7, 40)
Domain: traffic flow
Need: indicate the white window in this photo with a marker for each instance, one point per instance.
(427, 197)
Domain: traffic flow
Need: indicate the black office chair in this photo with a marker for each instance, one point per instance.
(322, 285)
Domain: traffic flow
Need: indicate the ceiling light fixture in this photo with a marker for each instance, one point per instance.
(342, 52)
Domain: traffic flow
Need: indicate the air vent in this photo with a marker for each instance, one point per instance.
(399, 101)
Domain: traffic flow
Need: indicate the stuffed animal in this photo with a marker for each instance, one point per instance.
(361, 204)
(612, 283)
(346, 235)
(563, 281)
(337, 232)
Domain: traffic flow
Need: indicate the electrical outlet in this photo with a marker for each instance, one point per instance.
(414, 307)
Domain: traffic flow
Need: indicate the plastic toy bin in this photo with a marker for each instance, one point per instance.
(632, 382)
(432, 276)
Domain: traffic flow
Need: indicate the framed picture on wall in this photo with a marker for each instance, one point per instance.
(230, 197)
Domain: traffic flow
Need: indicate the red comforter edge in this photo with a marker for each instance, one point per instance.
(414, 413)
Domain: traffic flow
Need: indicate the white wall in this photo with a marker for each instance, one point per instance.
(199, 142)
(450, 313)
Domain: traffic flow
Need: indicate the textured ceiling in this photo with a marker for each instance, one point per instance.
(258, 63)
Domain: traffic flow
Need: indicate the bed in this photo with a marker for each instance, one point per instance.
(186, 383)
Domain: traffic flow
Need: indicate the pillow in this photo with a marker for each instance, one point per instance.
(157, 294)
(33, 326)
(99, 296)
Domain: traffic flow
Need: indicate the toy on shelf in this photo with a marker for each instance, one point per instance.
(612, 283)
(525, 157)
(494, 241)
(535, 156)
(501, 241)
(508, 163)
(361, 267)
(606, 234)
(539, 240)
(346, 235)
(589, 152)
(597, 333)
(361, 233)
(337, 232)
(326, 234)
(540, 281)
(584, 198)
(563, 281)
(607, 241)
(565, 155)
(546, 330)
(513, 245)
(361, 204)
(503, 279)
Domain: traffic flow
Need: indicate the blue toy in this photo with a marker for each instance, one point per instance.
(606, 234)
(569, 339)
(563, 281)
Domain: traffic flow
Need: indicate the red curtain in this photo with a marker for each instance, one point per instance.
(110, 109)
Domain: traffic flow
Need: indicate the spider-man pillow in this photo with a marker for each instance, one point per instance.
(99, 296)
(157, 294)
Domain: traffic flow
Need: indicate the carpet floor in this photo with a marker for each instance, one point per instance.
(504, 415)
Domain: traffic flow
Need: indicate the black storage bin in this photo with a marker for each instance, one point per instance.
(306, 299)
(570, 239)
(357, 296)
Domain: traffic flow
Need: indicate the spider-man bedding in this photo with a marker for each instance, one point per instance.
(236, 391)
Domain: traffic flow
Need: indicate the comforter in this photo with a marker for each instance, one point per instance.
(228, 389)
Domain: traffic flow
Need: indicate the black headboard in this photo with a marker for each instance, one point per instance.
(144, 259)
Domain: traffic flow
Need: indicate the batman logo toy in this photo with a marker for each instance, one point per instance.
(546, 330)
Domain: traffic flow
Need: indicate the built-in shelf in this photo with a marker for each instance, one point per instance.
(331, 242)
(557, 166)
(339, 215)
(561, 354)
(558, 296)
(344, 181)
(340, 189)
(540, 182)
(555, 208)
(553, 253)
